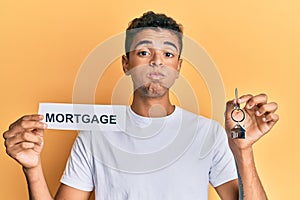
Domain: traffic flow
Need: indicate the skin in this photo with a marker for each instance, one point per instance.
(154, 65)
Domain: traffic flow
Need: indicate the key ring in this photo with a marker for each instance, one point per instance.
(237, 109)
(238, 131)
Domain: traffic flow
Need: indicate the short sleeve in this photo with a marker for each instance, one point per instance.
(78, 171)
(223, 167)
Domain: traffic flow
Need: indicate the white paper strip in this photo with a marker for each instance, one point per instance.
(83, 116)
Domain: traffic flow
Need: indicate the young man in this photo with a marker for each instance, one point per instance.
(153, 47)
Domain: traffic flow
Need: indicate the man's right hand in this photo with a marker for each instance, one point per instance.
(24, 140)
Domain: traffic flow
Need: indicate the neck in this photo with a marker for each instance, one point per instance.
(152, 106)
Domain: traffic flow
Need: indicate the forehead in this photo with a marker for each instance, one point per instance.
(157, 37)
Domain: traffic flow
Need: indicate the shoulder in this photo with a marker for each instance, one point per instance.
(210, 134)
(83, 141)
(203, 122)
(84, 136)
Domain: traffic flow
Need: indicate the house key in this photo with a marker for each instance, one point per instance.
(238, 115)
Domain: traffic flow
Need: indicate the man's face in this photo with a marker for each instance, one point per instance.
(153, 61)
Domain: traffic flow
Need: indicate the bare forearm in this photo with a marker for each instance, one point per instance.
(37, 186)
(252, 186)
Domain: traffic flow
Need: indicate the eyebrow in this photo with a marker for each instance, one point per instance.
(171, 44)
(149, 42)
(142, 42)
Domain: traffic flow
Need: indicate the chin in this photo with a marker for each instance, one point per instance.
(153, 94)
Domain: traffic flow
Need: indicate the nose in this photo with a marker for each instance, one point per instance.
(156, 59)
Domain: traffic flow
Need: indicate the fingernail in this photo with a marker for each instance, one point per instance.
(257, 113)
(264, 119)
(45, 126)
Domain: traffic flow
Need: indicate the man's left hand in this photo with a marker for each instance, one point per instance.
(260, 118)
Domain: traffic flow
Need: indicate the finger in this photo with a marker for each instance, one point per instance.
(23, 146)
(34, 117)
(10, 133)
(31, 125)
(29, 137)
(24, 126)
(271, 117)
(274, 120)
(6, 134)
(230, 104)
(256, 100)
(26, 145)
(38, 148)
(23, 137)
(244, 98)
(266, 108)
(240, 100)
(229, 107)
(39, 132)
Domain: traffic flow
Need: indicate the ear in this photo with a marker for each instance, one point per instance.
(179, 67)
(125, 64)
(179, 64)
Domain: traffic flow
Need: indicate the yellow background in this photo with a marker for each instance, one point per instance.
(255, 45)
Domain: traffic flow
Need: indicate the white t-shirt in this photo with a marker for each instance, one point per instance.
(168, 158)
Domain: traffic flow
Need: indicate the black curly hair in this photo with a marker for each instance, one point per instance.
(153, 21)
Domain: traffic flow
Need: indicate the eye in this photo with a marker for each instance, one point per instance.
(169, 54)
(143, 53)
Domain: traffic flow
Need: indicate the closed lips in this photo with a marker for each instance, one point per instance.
(155, 75)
